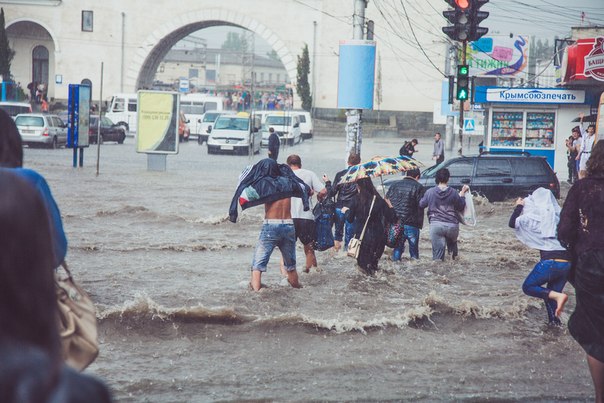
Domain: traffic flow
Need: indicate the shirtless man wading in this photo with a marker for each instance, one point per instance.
(277, 230)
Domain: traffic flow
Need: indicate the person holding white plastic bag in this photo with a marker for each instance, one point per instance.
(534, 220)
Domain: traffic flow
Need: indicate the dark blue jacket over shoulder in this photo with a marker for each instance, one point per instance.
(266, 182)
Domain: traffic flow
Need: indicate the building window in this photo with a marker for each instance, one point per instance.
(40, 65)
(278, 77)
(87, 20)
(261, 77)
(270, 77)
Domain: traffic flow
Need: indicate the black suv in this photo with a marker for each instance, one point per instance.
(497, 176)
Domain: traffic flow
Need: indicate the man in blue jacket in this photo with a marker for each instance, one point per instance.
(273, 185)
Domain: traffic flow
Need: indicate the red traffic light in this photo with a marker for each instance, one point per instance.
(462, 4)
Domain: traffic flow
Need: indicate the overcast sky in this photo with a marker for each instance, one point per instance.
(543, 19)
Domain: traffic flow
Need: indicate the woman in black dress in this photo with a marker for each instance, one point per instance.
(581, 230)
(374, 239)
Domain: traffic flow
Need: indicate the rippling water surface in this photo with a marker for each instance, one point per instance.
(170, 274)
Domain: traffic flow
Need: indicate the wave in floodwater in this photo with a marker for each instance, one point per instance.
(145, 312)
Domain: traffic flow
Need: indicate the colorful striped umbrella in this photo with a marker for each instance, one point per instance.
(380, 166)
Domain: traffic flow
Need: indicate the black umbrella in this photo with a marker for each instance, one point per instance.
(589, 118)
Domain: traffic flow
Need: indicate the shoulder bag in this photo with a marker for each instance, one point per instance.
(354, 246)
(77, 321)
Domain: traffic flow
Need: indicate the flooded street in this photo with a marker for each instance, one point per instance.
(170, 276)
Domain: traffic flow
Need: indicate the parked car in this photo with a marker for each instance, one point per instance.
(15, 108)
(496, 176)
(183, 129)
(109, 130)
(41, 129)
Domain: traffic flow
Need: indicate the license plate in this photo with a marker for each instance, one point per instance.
(28, 131)
(230, 148)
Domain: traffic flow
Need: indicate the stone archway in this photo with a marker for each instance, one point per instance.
(156, 46)
(36, 61)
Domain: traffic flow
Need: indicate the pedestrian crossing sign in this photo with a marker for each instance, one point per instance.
(469, 125)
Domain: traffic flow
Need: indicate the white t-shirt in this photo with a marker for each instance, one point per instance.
(313, 181)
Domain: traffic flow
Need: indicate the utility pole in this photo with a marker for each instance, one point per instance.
(353, 116)
(450, 63)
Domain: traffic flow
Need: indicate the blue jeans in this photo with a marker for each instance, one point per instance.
(555, 275)
(343, 229)
(410, 234)
(271, 235)
(443, 235)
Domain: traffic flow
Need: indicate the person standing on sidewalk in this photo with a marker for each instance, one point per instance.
(438, 154)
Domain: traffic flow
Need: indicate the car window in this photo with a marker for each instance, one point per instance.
(278, 120)
(302, 118)
(231, 123)
(529, 167)
(210, 117)
(29, 121)
(493, 167)
(461, 167)
(210, 106)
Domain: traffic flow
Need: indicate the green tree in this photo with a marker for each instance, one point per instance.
(272, 55)
(235, 42)
(302, 85)
(6, 53)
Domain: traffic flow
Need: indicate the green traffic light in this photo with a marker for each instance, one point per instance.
(462, 94)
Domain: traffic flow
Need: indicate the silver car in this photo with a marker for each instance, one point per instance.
(41, 129)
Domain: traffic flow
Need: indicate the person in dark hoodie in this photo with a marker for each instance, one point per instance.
(273, 144)
(273, 185)
(346, 193)
(444, 205)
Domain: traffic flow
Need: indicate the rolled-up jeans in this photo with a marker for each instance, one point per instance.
(553, 274)
(343, 228)
(443, 236)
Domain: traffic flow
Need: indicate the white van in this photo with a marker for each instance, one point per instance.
(194, 106)
(306, 128)
(286, 124)
(122, 111)
(235, 133)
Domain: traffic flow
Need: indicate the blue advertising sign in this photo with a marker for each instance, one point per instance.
(356, 74)
(78, 116)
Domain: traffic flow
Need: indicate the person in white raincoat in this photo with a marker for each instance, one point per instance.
(534, 220)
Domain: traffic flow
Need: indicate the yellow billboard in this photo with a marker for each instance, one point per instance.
(157, 118)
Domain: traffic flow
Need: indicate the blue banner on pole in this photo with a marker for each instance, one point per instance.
(356, 74)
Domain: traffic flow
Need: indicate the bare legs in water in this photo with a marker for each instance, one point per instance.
(560, 299)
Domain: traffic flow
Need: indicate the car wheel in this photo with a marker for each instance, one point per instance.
(124, 126)
(55, 143)
(210, 150)
(199, 140)
(122, 138)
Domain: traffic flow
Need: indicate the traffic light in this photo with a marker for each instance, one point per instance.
(465, 17)
(476, 17)
(460, 18)
(463, 82)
